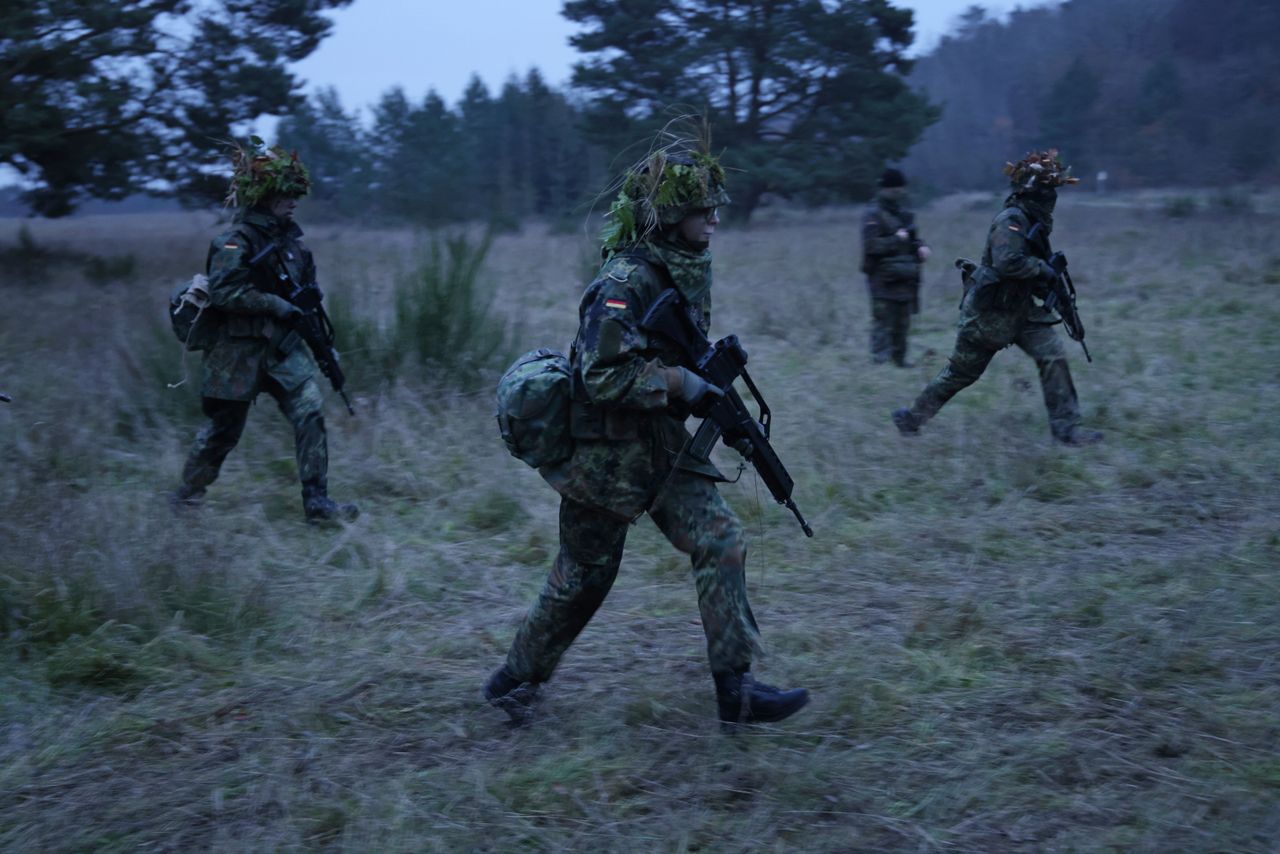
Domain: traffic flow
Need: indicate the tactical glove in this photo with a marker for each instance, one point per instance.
(286, 311)
(693, 390)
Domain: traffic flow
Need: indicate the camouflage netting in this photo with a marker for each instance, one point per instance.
(259, 172)
(1039, 169)
(676, 178)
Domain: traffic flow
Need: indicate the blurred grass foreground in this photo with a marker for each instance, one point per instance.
(1012, 646)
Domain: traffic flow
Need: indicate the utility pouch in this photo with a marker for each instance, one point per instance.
(592, 422)
(990, 293)
(290, 342)
(194, 322)
(534, 408)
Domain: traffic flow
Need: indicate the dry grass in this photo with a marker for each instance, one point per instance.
(1012, 646)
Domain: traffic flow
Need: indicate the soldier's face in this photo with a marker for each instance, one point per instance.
(283, 207)
(699, 225)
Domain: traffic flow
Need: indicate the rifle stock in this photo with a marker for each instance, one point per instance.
(721, 364)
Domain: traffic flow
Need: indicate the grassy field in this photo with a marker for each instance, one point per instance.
(1012, 646)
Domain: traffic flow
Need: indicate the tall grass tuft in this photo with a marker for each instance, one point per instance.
(443, 310)
(442, 315)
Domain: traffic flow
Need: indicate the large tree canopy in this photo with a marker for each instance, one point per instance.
(103, 98)
(805, 96)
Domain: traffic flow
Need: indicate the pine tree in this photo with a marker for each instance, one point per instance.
(806, 97)
(101, 98)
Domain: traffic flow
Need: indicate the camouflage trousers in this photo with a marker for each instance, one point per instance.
(973, 352)
(302, 407)
(890, 322)
(696, 520)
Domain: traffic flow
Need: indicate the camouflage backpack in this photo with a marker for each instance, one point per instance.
(193, 321)
(533, 408)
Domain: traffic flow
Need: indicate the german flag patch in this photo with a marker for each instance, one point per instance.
(230, 246)
(615, 303)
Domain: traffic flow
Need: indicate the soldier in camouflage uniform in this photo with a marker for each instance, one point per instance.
(632, 394)
(256, 349)
(1002, 306)
(892, 253)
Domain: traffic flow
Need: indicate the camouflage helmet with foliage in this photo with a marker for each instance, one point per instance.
(258, 173)
(677, 177)
(1039, 170)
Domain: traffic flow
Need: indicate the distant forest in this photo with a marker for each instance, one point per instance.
(1154, 92)
(495, 158)
(808, 101)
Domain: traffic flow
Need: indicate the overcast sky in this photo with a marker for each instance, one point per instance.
(439, 44)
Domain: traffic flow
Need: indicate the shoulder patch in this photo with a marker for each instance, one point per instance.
(230, 245)
(1014, 227)
(614, 302)
(621, 271)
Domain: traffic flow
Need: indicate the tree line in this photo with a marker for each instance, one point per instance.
(1152, 92)
(493, 158)
(807, 100)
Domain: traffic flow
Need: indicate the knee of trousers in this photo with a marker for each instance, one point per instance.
(964, 371)
(216, 436)
(725, 544)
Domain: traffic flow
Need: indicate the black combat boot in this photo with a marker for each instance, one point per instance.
(907, 422)
(743, 700)
(1078, 436)
(516, 698)
(185, 496)
(319, 507)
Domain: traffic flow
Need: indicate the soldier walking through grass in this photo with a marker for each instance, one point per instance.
(1003, 304)
(255, 347)
(631, 396)
(892, 253)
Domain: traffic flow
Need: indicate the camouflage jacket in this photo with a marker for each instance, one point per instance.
(250, 341)
(892, 263)
(628, 433)
(1015, 262)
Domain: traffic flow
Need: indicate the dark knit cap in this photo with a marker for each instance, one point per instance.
(893, 178)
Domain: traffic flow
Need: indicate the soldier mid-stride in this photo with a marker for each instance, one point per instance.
(892, 253)
(255, 347)
(1002, 305)
(631, 397)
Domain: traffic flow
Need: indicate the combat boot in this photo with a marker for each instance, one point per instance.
(516, 698)
(743, 700)
(907, 422)
(185, 496)
(319, 507)
(1078, 436)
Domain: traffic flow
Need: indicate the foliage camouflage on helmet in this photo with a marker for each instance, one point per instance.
(1039, 169)
(675, 178)
(259, 172)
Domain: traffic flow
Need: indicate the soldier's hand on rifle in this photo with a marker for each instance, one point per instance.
(744, 447)
(924, 252)
(1058, 262)
(684, 384)
(285, 311)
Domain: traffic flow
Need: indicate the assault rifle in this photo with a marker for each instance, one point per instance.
(314, 326)
(728, 417)
(1062, 291)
